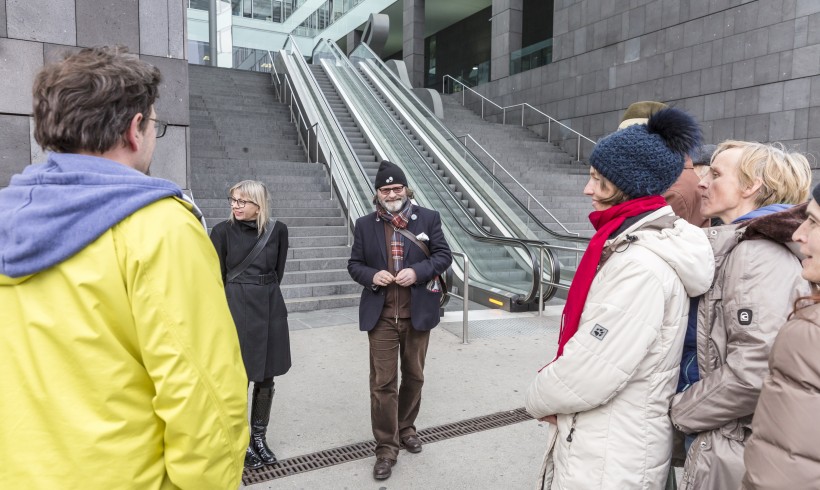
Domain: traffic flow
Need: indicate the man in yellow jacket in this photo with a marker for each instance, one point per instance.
(119, 362)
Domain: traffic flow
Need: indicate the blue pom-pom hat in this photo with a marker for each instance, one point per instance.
(646, 159)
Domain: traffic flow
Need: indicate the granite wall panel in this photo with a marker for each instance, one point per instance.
(109, 22)
(3, 30)
(14, 146)
(771, 98)
(153, 27)
(50, 21)
(19, 63)
(170, 156)
(172, 105)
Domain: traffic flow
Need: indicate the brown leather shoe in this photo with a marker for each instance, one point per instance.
(383, 468)
(412, 443)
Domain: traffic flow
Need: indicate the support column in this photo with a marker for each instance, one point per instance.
(354, 38)
(413, 41)
(506, 35)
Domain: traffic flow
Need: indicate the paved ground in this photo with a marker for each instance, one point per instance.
(323, 402)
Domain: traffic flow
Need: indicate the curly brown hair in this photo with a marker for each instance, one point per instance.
(87, 101)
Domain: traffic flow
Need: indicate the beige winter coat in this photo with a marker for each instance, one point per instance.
(783, 451)
(756, 283)
(611, 388)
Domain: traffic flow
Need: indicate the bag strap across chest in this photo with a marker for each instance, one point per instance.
(257, 249)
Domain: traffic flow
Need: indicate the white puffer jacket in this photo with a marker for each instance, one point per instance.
(612, 386)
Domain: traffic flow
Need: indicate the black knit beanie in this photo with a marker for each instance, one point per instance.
(389, 173)
(646, 159)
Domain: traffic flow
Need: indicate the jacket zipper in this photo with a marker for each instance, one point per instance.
(572, 427)
(686, 372)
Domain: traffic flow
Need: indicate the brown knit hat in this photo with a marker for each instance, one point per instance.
(639, 112)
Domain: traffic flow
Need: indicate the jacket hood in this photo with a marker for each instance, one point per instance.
(53, 210)
(681, 245)
(776, 226)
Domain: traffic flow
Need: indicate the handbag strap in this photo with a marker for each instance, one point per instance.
(415, 240)
(257, 249)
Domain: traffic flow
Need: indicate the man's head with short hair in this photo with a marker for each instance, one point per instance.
(639, 112)
(87, 102)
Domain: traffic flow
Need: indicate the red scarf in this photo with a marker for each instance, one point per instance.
(605, 223)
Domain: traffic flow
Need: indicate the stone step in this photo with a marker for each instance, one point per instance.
(319, 289)
(319, 252)
(315, 277)
(322, 302)
(317, 264)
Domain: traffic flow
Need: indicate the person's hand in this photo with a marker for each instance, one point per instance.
(383, 278)
(406, 277)
(552, 419)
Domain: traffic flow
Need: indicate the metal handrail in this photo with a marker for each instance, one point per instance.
(523, 106)
(331, 154)
(464, 297)
(529, 194)
(484, 235)
(302, 119)
(445, 130)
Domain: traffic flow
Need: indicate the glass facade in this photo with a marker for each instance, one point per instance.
(533, 56)
(198, 53)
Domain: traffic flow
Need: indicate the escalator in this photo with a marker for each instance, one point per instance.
(505, 271)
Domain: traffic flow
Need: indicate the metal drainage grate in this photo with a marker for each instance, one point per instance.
(362, 450)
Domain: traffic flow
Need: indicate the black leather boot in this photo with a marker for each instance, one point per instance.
(252, 461)
(260, 416)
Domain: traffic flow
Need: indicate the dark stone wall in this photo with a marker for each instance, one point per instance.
(747, 69)
(34, 32)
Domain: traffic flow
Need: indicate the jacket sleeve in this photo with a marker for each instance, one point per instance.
(626, 300)
(219, 240)
(188, 345)
(283, 252)
(440, 255)
(768, 280)
(357, 265)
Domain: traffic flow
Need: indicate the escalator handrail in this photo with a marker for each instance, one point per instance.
(351, 214)
(358, 166)
(485, 236)
(443, 129)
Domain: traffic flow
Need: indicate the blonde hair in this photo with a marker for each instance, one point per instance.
(785, 175)
(256, 192)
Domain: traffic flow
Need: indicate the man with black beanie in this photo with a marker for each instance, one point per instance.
(399, 307)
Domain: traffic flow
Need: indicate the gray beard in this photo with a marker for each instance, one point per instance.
(393, 206)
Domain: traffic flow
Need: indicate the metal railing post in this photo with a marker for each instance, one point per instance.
(522, 114)
(578, 151)
(349, 234)
(541, 283)
(466, 299)
(482, 108)
(504, 116)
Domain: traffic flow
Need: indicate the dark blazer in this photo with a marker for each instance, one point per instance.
(369, 256)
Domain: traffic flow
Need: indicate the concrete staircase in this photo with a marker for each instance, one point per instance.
(546, 171)
(240, 131)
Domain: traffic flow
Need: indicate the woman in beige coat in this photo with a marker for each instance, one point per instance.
(783, 451)
(757, 279)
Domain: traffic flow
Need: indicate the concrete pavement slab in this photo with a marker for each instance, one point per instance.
(323, 402)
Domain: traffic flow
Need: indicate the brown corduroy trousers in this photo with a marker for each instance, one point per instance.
(393, 410)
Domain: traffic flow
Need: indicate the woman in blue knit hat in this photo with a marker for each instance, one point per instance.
(606, 394)
(751, 188)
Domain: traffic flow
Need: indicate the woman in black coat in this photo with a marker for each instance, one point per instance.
(255, 300)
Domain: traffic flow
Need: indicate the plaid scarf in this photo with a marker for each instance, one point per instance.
(399, 220)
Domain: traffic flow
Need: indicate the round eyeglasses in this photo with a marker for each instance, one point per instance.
(160, 126)
(385, 191)
(240, 203)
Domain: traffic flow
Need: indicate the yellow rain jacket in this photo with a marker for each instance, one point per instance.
(120, 366)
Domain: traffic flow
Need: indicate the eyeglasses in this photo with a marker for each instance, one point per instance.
(160, 126)
(240, 203)
(386, 192)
